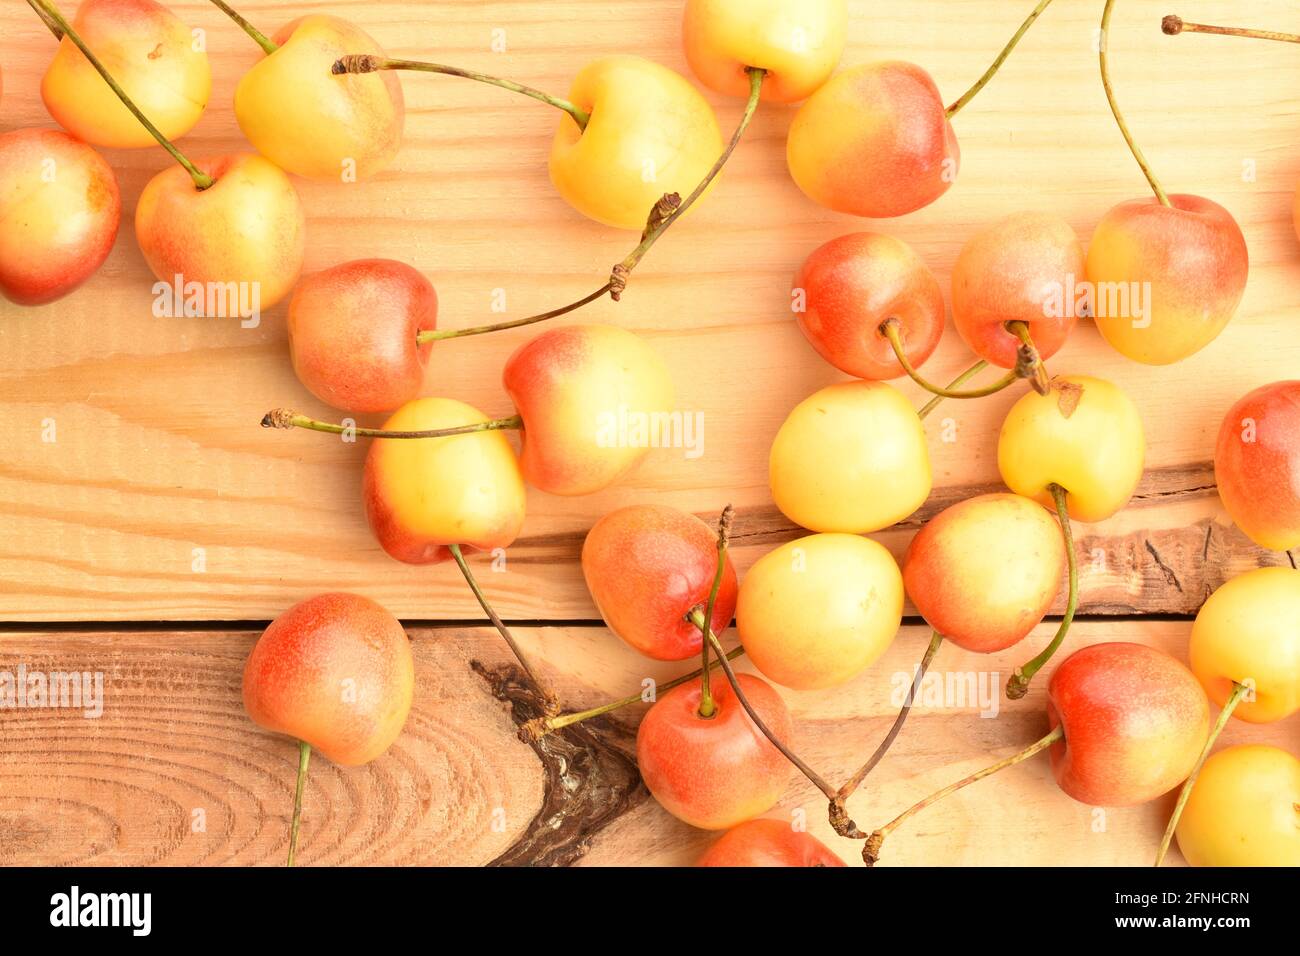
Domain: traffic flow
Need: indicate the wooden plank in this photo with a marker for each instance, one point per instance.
(158, 452)
(459, 788)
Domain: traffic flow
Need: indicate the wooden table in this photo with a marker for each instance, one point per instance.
(156, 534)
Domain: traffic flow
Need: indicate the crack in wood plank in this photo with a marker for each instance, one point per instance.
(591, 777)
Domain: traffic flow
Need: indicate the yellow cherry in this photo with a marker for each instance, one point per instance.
(1244, 810)
(1248, 631)
(852, 458)
(797, 42)
(819, 610)
(1084, 435)
(650, 132)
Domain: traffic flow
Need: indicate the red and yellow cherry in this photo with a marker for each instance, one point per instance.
(311, 122)
(1248, 632)
(60, 208)
(767, 842)
(819, 610)
(352, 333)
(1085, 435)
(1257, 465)
(851, 457)
(1244, 810)
(714, 772)
(874, 141)
(247, 228)
(1020, 269)
(647, 568)
(334, 671)
(1167, 278)
(650, 132)
(1126, 724)
(984, 572)
(589, 396)
(422, 495)
(846, 290)
(1134, 720)
(150, 53)
(798, 43)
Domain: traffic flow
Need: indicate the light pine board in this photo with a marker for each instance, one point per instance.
(158, 450)
(459, 788)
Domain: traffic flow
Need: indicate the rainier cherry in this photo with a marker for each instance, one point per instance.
(797, 44)
(819, 610)
(851, 457)
(766, 842)
(849, 287)
(151, 54)
(648, 567)
(1257, 465)
(295, 674)
(714, 772)
(57, 230)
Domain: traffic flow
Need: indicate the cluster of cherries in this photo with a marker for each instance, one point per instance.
(1126, 723)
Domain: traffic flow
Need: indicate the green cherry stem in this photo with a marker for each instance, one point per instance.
(1001, 58)
(50, 14)
(369, 63)
(890, 330)
(960, 380)
(288, 418)
(697, 618)
(871, 852)
(434, 335)
(707, 708)
(542, 726)
(551, 702)
(304, 757)
(1103, 40)
(668, 210)
(1229, 705)
(260, 38)
(1174, 25)
(1018, 683)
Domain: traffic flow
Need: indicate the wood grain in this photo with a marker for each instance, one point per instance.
(459, 788)
(158, 452)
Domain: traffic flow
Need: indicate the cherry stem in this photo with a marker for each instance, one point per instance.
(871, 852)
(1018, 683)
(1029, 363)
(1001, 58)
(961, 379)
(304, 757)
(665, 212)
(890, 330)
(707, 708)
(53, 27)
(1229, 705)
(260, 38)
(697, 618)
(288, 418)
(931, 649)
(369, 63)
(551, 703)
(1114, 107)
(1174, 25)
(434, 335)
(50, 14)
(545, 725)
(659, 222)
